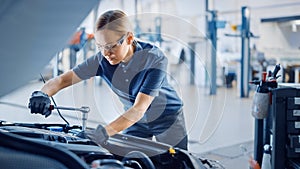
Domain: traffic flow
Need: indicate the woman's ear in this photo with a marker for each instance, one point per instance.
(130, 38)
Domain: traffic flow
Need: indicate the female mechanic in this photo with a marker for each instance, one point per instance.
(136, 73)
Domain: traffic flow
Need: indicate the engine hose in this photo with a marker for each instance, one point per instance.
(141, 158)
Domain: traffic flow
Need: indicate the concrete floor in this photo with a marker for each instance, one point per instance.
(219, 126)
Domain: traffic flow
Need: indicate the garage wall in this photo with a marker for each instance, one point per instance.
(184, 22)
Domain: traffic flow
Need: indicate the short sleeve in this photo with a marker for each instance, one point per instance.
(89, 68)
(155, 77)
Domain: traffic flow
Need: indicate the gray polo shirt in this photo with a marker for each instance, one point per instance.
(145, 73)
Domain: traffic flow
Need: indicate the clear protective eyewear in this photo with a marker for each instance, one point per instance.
(110, 47)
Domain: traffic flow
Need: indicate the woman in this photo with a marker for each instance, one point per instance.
(136, 72)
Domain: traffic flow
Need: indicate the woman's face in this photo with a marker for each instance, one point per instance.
(114, 48)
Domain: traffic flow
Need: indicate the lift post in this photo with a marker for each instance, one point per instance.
(245, 52)
(212, 27)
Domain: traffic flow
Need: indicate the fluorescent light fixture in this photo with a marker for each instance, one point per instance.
(296, 22)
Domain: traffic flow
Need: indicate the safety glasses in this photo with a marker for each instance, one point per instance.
(112, 46)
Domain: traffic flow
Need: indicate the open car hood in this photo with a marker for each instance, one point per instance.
(40, 140)
(32, 32)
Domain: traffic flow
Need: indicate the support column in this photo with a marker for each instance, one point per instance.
(192, 47)
(245, 52)
(213, 61)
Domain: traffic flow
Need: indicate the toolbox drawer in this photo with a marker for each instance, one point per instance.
(293, 103)
(294, 141)
(293, 127)
(293, 152)
(293, 115)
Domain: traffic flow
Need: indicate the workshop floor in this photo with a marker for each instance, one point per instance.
(220, 126)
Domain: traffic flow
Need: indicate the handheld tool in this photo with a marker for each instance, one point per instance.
(84, 110)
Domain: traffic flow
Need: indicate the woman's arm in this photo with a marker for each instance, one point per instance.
(64, 80)
(131, 116)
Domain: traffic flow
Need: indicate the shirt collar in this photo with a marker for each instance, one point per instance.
(138, 47)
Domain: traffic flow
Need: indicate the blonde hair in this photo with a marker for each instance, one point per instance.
(114, 20)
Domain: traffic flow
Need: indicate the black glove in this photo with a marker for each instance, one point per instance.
(40, 103)
(98, 135)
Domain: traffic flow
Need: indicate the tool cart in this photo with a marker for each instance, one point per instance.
(285, 127)
(276, 108)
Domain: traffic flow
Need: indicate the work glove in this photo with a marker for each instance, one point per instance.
(98, 135)
(39, 103)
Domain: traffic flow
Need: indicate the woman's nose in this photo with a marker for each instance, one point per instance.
(106, 53)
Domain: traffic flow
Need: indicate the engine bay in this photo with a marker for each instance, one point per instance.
(120, 151)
